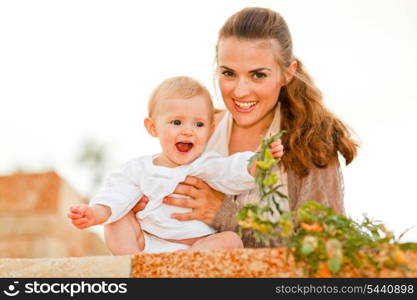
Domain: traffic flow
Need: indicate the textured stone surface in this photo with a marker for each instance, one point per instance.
(52, 245)
(33, 221)
(20, 193)
(31, 224)
(241, 263)
(80, 267)
(215, 263)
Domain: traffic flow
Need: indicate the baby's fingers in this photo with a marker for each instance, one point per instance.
(74, 215)
(276, 143)
(77, 209)
(81, 223)
(278, 154)
(277, 150)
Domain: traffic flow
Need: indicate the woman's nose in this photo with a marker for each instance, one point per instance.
(241, 88)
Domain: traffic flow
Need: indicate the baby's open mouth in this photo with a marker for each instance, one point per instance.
(184, 147)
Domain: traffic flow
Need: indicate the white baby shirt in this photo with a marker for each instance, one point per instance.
(139, 176)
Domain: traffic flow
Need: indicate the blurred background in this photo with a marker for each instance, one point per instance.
(75, 77)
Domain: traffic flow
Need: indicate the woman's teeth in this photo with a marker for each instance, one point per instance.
(245, 104)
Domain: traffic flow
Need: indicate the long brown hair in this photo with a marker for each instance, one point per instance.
(315, 135)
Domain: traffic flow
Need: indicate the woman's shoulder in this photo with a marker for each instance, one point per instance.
(218, 115)
(332, 170)
(324, 185)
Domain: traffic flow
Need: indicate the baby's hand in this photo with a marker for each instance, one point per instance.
(277, 149)
(81, 216)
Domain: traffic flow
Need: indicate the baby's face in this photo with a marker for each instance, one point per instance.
(183, 127)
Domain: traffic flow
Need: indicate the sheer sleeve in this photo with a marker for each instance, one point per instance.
(225, 218)
(321, 185)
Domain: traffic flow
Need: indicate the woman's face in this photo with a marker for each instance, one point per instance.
(250, 79)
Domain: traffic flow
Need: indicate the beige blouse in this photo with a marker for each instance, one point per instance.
(322, 185)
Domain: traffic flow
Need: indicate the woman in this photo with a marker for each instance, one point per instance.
(265, 89)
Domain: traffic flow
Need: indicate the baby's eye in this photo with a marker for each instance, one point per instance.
(227, 73)
(258, 75)
(199, 124)
(176, 122)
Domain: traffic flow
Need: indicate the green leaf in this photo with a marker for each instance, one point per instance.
(271, 179)
(264, 165)
(306, 249)
(334, 265)
(408, 246)
(303, 215)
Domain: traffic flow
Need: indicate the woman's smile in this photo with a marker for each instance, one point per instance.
(244, 106)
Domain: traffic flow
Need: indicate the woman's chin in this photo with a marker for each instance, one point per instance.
(244, 120)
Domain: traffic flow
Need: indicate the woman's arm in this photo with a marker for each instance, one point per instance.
(225, 218)
(321, 185)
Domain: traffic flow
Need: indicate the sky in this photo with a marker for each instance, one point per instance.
(72, 71)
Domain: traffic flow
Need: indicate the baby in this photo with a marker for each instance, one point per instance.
(180, 115)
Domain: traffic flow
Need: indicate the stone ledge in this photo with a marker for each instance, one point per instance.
(75, 267)
(242, 263)
(215, 263)
(22, 192)
(33, 221)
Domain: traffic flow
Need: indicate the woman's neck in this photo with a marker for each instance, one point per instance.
(248, 138)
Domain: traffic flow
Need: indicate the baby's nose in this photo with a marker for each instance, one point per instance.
(187, 131)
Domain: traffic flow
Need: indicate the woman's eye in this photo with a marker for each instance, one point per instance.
(199, 124)
(176, 122)
(227, 73)
(259, 75)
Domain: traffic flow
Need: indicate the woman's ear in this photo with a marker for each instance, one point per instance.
(150, 126)
(291, 71)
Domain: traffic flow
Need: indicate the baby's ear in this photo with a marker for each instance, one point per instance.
(212, 127)
(150, 126)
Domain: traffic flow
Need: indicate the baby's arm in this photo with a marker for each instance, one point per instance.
(277, 150)
(231, 174)
(83, 216)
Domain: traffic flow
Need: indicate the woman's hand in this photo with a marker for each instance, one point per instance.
(205, 202)
(140, 205)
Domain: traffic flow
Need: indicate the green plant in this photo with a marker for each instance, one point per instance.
(259, 218)
(326, 241)
(322, 240)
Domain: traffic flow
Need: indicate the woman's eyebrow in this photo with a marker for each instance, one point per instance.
(224, 67)
(260, 70)
(251, 71)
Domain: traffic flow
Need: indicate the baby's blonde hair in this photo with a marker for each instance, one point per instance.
(178, 87)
